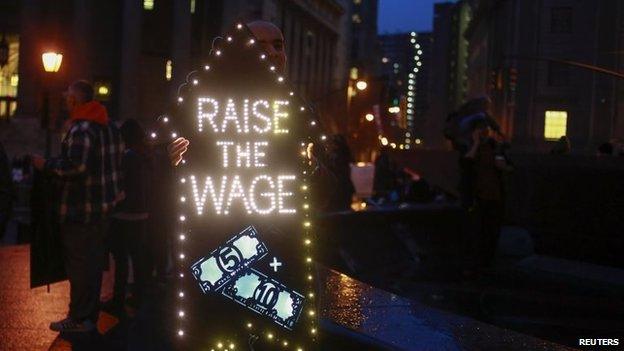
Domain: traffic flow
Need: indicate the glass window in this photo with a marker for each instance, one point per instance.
(561, 20)
(168, 70)
(558, 74)
(9, 79)
(555, 124)
(148, 5)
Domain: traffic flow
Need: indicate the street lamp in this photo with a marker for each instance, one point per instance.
(51, 64)
(361, 85)
(51, 61)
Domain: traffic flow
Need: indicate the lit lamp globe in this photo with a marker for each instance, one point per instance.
(361, 85)
(51, 61)
(369, 117)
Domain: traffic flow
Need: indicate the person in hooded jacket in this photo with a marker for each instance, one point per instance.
(88, 170)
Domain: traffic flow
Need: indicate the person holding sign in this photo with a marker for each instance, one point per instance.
(244, 258)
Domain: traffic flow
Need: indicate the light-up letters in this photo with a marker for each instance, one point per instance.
(210, 116)
(277, 115)
(261, 194)
(264, 195)
(236, 116)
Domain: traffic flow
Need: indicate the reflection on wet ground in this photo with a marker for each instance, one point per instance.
(409, 325)
(366, 312)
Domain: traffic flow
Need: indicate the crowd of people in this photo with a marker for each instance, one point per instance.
(102, 202)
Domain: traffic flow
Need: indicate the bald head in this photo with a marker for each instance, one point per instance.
(271, 39)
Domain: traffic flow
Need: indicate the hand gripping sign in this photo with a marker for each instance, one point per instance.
(246, 171)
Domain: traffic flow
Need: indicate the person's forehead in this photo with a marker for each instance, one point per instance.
(266, 32)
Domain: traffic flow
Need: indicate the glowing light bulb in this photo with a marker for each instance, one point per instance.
(180, 332)
(249, 325)
(239, 26)
(262, 57)
(182, 256)
(182, 237)
(153, 135)
(180, 99)
(272, 68)
(280, 79)
(195, 82)
(313, 123)
(183, 199)
(218, 52)
(182, 218)
(291, 93)
(181, 314)
(206, 67)
(270, 336)
(181, 294)
(174, 135)
(166, 119)
(229, 39)
(307, 241)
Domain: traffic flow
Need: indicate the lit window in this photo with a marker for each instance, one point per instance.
(14, 80)
(555, 124)
(354, 73)
(192, 6)
(168, 70)
(148, 4)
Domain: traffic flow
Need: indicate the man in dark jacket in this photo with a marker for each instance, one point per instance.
(88, 169)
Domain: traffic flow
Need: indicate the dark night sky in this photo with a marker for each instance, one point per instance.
(406, 15)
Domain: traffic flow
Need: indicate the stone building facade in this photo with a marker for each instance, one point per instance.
(138, 52)
(515, 56)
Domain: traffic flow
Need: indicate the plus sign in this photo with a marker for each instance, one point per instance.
(275, 264)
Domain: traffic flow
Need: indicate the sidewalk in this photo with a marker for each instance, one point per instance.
(25, 313)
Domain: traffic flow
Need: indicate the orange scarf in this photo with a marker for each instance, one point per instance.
(91, 111)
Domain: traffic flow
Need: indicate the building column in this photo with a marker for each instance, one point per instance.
(29, 65)
(130, 59)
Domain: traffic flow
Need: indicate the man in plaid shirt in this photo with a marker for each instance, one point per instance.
(89, 173)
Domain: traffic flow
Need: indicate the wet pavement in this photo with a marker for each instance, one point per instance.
(401, 324)
(25, 313)
(351, 311)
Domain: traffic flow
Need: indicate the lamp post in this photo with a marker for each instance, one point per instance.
(4, 52)
(51, 64)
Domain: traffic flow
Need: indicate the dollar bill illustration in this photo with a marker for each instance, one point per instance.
(228, 260)
(265, 296)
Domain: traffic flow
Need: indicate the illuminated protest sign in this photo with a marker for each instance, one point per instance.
(244, 255)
